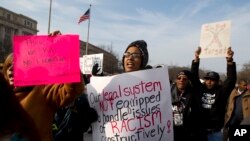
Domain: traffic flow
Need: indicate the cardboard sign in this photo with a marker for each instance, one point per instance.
(87, 62)
(132, 106)
(215, 39)
(46, 60)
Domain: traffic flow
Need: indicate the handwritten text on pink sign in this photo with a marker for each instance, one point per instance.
(46, 59)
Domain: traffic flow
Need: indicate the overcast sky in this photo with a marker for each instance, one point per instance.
(170, 27)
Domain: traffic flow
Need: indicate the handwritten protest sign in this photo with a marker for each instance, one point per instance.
(87, 62)
(215, 39)
(46, 59)
(132, 106)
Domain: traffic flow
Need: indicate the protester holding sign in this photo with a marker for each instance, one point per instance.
(42, 101)
(15, 122)
(212, 96)
(134, 105)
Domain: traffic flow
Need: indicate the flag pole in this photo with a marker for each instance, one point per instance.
(49, 16)
(88, 31)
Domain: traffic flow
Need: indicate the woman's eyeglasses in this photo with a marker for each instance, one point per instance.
(134, 55)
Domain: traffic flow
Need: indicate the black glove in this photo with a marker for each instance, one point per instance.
(95, 69)
(86, 79)
(148, 67)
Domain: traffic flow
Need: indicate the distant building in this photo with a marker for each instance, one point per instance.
(17, 24)
(13, 24)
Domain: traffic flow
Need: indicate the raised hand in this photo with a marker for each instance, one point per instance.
(230, 54)
(57, 32)
(197, 54)
(95, 69)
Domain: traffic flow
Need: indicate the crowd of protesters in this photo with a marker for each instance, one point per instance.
(202, 111)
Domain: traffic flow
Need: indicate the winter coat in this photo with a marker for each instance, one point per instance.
(41, 103)
(186, 102)
(231, 103)
(181, 105)
(73, 121)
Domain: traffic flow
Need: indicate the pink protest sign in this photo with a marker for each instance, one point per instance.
(46, 60)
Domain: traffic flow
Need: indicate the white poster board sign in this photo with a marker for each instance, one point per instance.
(87, 62)
(132, 106)
(215, 39)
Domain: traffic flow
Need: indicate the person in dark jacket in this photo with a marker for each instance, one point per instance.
(181, 92)
(212, 96)
(73, 121)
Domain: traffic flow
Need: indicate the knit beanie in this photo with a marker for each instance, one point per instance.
(142, 45)
(186, 73)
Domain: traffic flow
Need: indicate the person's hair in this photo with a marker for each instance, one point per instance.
(8, 61)
(13, 117)
(242, 80)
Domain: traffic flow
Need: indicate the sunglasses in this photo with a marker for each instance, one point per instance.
(183, 78)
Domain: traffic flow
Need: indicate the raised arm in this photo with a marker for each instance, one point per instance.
(62, 95)
(230, 81)
(196, 62)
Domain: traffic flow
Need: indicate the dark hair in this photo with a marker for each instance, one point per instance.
(242, 80)
(8, 61)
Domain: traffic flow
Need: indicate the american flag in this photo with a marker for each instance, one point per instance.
(85, 16)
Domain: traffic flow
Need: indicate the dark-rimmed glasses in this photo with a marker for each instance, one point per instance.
(134, 55)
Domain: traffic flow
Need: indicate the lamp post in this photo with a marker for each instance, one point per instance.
(49, 16)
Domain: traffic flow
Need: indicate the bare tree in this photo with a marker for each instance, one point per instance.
(245, 72)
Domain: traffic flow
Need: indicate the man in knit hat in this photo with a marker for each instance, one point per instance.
(181, 92)
(135, 56)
